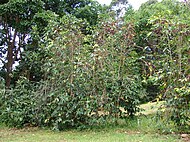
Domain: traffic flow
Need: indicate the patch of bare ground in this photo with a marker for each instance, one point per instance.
(15, 131)
(185, 137)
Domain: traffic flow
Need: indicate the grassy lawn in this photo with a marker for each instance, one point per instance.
(140, 129)
(116, 135)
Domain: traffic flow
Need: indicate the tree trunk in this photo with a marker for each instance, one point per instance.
(9, 65)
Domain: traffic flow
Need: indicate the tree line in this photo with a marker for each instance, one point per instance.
(80, 62)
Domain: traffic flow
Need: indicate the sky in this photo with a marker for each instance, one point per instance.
(135, 3)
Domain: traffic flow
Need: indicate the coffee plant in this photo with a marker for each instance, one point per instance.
(77, 73)
(171, 53)
(89, 78)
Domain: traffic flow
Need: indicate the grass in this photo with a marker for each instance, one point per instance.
(109, 135)
(140, 129)
(151, 107)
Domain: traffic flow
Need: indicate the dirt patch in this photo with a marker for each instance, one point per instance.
(128, 132)
(15, 131)
(185, 137)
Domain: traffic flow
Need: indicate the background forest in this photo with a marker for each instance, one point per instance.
(76, 63)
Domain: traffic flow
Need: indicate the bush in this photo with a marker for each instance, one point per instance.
(58, 109)
(18, 105)
(178, 107)
(89, 79)
(152, 86)
(2, 92)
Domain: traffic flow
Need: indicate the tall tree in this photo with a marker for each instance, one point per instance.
(16, 21)
(120, 6)
(17, 17)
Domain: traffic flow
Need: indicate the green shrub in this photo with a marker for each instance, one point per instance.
(152, 86)
(89, 79)
(2, 92)
(58, 109)
(178, 107)
(169, 40)
(18, 105)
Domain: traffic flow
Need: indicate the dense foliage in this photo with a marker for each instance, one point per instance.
(83, 83)
(82, 64)
(168, 40)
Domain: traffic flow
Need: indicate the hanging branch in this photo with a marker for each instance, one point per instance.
(19, 46)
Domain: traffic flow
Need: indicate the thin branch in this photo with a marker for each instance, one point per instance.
(7, 31)
(2, 61)
(138, 47)
(14, 37)
(21, 41)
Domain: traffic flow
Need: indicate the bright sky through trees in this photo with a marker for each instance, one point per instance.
(135, 3)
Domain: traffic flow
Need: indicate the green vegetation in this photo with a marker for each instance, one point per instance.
(143, 128)
(83, 65)
(84, 136)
